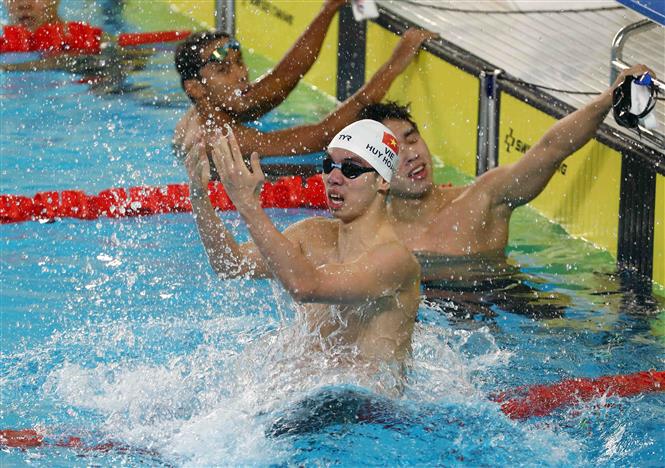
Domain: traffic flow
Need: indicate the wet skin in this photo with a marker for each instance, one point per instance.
(440, 222)
(32, 13)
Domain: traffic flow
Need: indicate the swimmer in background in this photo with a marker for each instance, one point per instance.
(459, 234)
(215, 78)
(357, 285)
(105, 71)
(31, 14)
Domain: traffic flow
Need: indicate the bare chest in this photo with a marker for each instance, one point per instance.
(462, 227)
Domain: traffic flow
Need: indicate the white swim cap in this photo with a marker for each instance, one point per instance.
(372, 141)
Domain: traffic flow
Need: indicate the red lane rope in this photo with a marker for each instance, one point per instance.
(75, 37)
(286, 192)
(538, 400)
(31, 438)
(52, 37)
(136, 39)
(541, 400)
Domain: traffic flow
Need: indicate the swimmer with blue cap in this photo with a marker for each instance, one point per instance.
(357, 284)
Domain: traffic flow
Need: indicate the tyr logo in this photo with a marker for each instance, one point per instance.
(345, 137)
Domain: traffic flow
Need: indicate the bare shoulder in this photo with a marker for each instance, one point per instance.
(488, 181)
(395, 258)
(317, 226)
(479, 191)
(451, 192)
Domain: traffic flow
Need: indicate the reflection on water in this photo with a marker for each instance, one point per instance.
(483, 285)
(466, 271)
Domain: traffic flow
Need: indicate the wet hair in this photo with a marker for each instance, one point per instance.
(188, 60)
(387, 110)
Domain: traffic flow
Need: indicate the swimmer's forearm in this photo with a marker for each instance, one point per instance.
(302, 55)
(379, 84)
(372, 92)
(224, 253)
(313, 138)
(284, 259)
(271, 89)
(528, 177)
(377, 87)
(575, 130)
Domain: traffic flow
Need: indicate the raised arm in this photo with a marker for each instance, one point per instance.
(271, 89)
(227, 258)
(313, 138)
(375, 274)
(521, 182)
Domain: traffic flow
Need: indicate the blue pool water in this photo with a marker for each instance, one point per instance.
(117, 330)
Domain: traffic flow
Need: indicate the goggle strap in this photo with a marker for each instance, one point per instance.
(652, 102)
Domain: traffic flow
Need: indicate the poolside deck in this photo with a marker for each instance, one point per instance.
(567, 49)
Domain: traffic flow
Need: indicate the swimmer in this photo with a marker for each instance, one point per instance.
(215, 78)
(105, 72)
(31, 14)
(439, 223)
(357, 285)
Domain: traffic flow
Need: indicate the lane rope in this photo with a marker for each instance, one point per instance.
(518, 403)
(542, 400)
(76, 37)
(285, 192)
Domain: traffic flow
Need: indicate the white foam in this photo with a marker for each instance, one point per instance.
(212, 405)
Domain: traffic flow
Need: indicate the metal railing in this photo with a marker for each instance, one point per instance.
(617, 65)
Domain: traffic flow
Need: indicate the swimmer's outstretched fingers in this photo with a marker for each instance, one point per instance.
(416, 36)
(198, 169)
(636, 71)
(239, 180)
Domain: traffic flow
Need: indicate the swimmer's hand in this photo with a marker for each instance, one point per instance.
(636, 71)
(198, 168)
(408, 47)
(242, 184)
(413, 38)
(334, 4)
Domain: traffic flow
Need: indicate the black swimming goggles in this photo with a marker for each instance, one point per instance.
(622, 99)
(349, 169)
(221, 52)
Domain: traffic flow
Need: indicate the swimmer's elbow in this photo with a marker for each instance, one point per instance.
(228, 271)
(301, 294)
(303, 290)
(227, 275)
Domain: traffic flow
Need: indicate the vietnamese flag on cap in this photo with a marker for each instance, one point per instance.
(390, 142)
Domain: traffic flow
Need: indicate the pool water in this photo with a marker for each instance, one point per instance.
(117, 329)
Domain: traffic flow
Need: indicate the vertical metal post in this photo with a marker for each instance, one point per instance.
(636, 217)
(351, 45)
(488, 122)
(493, 122)
(225, 16)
